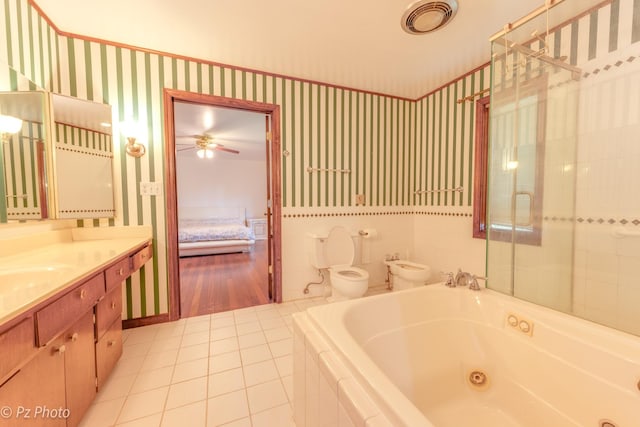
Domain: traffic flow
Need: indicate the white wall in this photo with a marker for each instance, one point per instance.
(446, 243)
(221, 182)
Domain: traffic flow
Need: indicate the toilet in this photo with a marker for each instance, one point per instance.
(336, 252)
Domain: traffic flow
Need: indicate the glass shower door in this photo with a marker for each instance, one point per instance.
(532, 155)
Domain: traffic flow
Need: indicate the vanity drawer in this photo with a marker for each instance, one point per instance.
(18, 345)
(60, 314)
(117, 273)
(107, 311)
(141, 257)
(108, 351)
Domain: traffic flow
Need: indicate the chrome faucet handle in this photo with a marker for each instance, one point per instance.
(473, 282)
(450, 280)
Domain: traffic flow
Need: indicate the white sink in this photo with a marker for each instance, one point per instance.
(24, 276)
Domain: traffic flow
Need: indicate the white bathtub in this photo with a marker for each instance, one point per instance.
(404, 359)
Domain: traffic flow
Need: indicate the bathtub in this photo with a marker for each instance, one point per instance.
(439, 356)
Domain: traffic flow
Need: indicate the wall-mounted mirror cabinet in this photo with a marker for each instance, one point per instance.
(59, 162)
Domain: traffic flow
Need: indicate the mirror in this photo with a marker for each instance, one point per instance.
(23, 184)
(82, 159)
(59, 164)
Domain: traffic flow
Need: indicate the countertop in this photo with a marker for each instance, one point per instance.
(47, 264)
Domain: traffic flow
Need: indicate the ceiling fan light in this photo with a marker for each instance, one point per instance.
(205, 153)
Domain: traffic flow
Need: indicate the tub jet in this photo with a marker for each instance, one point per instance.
(478, 379)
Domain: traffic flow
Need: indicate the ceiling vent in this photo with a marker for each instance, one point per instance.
(425, 16)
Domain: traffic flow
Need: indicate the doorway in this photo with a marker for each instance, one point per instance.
(230, 266)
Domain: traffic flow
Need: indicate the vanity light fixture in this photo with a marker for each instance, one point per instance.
(9, 125)
(133, 132)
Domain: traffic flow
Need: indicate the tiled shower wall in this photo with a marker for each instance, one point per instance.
(607, 245)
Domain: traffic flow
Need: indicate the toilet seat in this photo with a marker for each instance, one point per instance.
(349, 272)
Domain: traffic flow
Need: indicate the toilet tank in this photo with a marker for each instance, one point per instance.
(315, 244)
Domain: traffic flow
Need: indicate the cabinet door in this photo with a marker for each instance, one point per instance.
(108, 351)
(80, 368)
(35, 395)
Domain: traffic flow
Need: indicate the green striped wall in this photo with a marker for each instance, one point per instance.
(445, 131)
(85, 138)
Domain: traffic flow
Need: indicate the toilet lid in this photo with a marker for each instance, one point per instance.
(339, 248)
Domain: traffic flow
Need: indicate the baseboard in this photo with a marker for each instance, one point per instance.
(145, 321)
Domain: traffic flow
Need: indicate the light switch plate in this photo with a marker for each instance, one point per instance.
(150, 188)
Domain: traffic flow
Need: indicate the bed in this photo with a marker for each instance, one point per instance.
(213, 230)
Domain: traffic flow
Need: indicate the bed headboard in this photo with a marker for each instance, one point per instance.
(207, 212)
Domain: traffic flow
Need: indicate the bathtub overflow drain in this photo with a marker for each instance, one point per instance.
(477, 378)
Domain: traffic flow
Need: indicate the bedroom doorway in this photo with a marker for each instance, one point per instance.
(223, 176)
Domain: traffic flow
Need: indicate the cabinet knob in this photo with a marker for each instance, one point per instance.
(83, 294)
(111, 343)
(74, 337)
(120, 271)
(61, 349)
(113, 305)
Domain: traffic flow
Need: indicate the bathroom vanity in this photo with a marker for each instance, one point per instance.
(60, 319)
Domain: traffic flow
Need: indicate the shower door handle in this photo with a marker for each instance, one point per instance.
(529, 194)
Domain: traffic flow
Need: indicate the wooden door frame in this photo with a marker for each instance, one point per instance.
(171, 196)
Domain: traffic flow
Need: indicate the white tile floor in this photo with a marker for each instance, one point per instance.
(226, 369)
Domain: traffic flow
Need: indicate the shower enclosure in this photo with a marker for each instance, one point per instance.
(563, 213)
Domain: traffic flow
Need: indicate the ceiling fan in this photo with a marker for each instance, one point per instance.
(205, 146)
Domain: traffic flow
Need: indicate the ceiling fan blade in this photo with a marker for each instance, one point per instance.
(229, 150)
(185, 149)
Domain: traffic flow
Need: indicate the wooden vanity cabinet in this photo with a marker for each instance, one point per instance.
(60, 353)
(38, 385)
(79, 367)
(117, 273)
(17, 343)
(108, 346)
(108, 352)
(57, 316)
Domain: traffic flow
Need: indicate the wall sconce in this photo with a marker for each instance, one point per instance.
(9, 125)
(133, 132)
(134, 148)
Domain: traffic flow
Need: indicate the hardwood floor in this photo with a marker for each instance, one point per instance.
(216, 283)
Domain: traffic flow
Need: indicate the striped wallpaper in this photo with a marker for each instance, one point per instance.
(445, 130)
(390, 146)
(20, 160)
(86, 138)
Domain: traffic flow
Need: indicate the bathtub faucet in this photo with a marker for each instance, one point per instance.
(464, 278)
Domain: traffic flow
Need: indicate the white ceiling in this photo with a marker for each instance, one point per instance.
(352, 43)
(236, 129)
